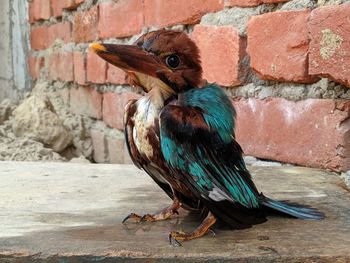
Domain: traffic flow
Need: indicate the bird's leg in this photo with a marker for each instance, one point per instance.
(176, 236)
(163, 215)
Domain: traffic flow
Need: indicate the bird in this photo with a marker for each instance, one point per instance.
(182, 134)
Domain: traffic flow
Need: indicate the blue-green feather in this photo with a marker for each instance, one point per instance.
(218, 111)
(219, 115)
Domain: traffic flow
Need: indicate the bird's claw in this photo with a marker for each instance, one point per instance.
(132, 215)
(139, 219)
(173, 241)
(212, 232)
(147, 218)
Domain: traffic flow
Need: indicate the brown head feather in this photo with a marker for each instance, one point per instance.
(163, 43)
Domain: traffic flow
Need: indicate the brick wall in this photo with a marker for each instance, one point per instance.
(286, 65)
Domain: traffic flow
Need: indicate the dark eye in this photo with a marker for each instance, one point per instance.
(173, 61)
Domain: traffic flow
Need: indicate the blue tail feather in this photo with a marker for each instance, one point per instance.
(295, 210)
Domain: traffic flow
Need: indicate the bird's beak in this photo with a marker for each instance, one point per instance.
(133, 60)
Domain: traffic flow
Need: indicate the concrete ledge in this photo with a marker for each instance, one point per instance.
(62, 212)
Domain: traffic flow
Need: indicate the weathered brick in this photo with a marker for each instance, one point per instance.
(39, 38)
(222, 51)
(96, 68)
(66, 66)
(115, 147)
(32, 66)
(242, 3)
(57, 7)
(79, 67)
(41, 10)
(53, 62)
(274, 1)
(31, 15)
(115, 75)
(86, 101)
(279, 50)
(99, 145)
(60, 31)
(162, 13)
(71, 4)
(113, 107)
(121, 19)
(85, 25)
(312, 132)
(35, 65)
(61, 66)
(250, 3)
(330, 43)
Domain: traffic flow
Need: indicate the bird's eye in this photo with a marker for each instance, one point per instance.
(173, 61)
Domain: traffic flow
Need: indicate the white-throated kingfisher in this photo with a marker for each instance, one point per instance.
(182, 134)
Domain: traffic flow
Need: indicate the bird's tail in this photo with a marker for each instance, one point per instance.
(294, 210)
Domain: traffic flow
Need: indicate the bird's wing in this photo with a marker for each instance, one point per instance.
(205, 152)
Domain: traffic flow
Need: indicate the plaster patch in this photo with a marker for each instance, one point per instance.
(330, 43)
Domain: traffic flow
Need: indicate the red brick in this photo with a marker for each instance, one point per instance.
(57, 7)
(99, 145)
(274, 1)
(121, 19)
(162, 13)
(115, 75)
(279, 50)
(86, 101)
(113, 107)
(53, 66)
(115, 147)
(79, 67)
(312, 132)
(71, 4)
(242, 3)
(249, 3)
(222, 50)
(61, 66)
(35, 65)
(32, 66)
(330, 43)
(60, 31)
(31, 15)
(41, 10)
(85, 25)
(96, 68)
(39, 38)
(65, 66)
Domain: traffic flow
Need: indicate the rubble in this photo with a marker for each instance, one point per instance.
(36, 119)
(6, 109)
(41, 128)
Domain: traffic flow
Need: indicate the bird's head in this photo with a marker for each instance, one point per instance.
(165, 59)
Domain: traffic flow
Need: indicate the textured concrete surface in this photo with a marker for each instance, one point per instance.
(62, 212)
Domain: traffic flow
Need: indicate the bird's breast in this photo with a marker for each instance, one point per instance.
(145, 136)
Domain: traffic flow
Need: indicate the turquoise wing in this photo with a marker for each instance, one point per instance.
(197, 141)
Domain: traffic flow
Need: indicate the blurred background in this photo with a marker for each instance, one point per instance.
(285, 64)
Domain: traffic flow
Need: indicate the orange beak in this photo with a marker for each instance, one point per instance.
(129, 58)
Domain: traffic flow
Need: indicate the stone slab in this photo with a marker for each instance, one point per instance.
(64, 212)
